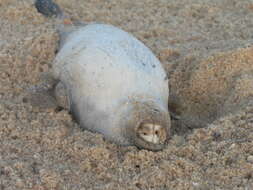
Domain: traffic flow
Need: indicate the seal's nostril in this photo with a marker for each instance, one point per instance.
(24, 100)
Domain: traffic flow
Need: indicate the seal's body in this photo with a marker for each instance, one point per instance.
(115, 85)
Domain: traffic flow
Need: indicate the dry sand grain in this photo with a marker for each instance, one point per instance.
(207, 49)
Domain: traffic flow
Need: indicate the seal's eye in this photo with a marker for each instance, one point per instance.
(145, 133)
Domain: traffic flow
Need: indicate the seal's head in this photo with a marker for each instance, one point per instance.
(145, 124)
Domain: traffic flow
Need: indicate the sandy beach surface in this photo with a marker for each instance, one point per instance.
(206, 47)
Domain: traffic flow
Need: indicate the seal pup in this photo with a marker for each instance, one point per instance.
(110, 81)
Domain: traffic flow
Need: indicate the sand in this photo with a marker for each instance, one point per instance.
(207, 50)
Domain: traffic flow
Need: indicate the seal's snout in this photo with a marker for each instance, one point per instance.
(152, 133)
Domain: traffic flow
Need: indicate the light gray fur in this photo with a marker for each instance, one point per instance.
(105, 70)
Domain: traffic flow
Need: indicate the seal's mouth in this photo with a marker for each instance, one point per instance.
(142, 144)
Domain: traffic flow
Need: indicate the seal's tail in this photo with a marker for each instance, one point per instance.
(65, 25)
(48, 8)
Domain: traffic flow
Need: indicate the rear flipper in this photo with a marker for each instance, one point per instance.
(65, 26)
(50, 93)
(48, 8)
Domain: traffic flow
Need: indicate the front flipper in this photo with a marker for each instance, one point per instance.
(42, 94)
(61, 96)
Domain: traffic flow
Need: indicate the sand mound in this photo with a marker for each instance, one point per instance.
(206, 47)
(205, 90)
